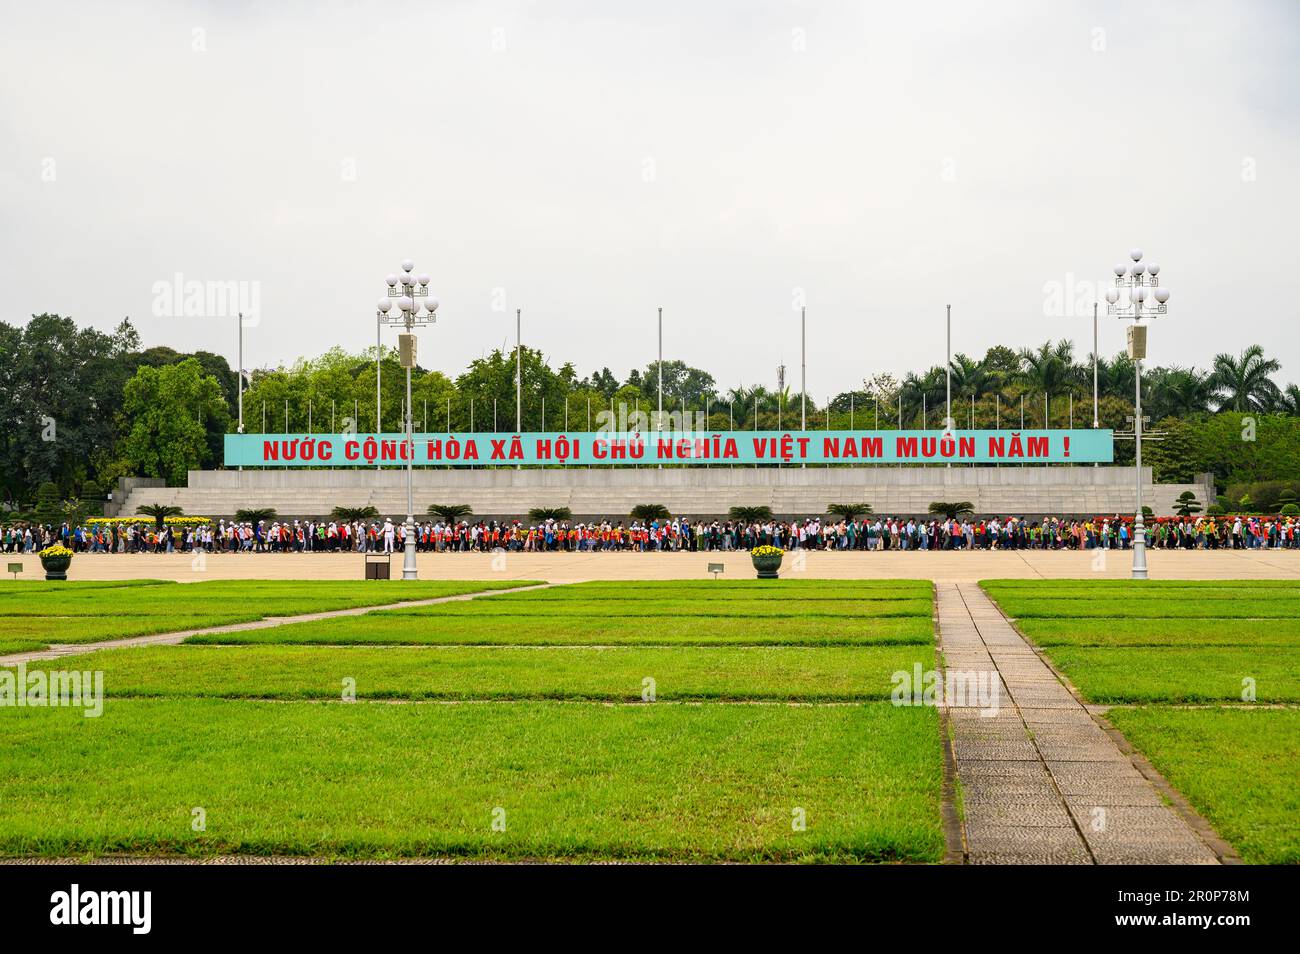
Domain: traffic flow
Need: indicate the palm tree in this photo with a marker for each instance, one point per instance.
(849, 511)
(450, 513)
(972, 378)
(1243, 383)
(353, 514)
(952, 510)
(1115, 378)
(255, 514)
(650, 512)
(1049, 370)
(159, 512)
(1179, 392)
(750, 514)
(542, 514)
(1289, 402)
(923, 395)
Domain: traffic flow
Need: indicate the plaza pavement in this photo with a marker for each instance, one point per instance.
(942, 566)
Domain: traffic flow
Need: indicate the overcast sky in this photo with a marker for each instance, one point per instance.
(589, 162)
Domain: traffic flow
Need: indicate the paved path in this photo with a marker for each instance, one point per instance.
(1042, 782)
(171, 639)
(577, 567)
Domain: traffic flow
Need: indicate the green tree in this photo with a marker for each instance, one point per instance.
(163, 409)
(60, 392)
(681, 383)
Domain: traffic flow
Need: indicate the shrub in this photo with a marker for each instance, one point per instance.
(1187, 504)
(49, 508)
(1290, 510)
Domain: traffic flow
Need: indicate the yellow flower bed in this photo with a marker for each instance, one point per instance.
(55, 550)
(767, 552)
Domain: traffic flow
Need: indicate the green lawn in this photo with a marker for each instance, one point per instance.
(654, 610)
(665, 781)
(749, 591)
(1151, 607)
(1148, 647)
(1179, 674)
(8, 645)
(1161, 632)
(549, 629)
(1238, 766)
(37, 613)
(766, 700)
(469, 673)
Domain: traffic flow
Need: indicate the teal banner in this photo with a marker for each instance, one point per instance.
(596, 448)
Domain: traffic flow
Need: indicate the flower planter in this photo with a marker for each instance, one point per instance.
(768, 567)
(56, 567)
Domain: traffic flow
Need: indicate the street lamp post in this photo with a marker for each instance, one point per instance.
(947, 423)
(411, 292)
(1139, 279)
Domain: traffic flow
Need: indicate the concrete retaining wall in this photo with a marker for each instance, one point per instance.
(693, 491)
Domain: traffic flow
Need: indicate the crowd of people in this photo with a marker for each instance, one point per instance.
(673, 534)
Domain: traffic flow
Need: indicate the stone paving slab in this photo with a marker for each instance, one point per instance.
(1042, 781)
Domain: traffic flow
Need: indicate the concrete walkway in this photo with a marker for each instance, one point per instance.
(57, 650)
(578, 567)
(1042, 782)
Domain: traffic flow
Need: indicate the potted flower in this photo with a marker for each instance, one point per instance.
(767, 561)
(56, 559)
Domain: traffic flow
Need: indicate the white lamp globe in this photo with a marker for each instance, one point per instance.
(405, 303)
(423, 279)
(1119, 270)
(1139, 294)
(1135, 254)
(1162, 295)
(407, 265)
(431, 304)
(1112, 296)
(384, 305)
(1153, 269)
(392, 281)
(1137, 269)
